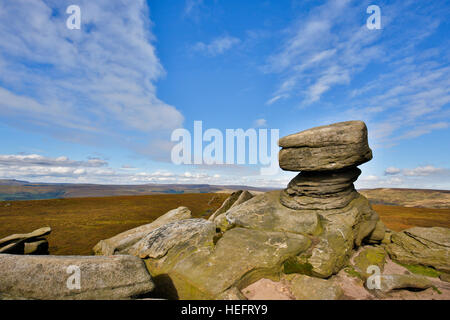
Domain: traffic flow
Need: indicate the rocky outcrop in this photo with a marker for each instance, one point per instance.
(119, 243)
(27, 243)
(422, 246)
(235, 199)
(53, 277)
(264, 236)
(201, 268)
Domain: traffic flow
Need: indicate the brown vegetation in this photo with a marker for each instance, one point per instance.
(79, 223)
(399, 218)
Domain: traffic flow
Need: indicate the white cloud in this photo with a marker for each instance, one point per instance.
(392, 171)
(100, 79)
(424, 171)
(324, 49)
(260, 123)
(216, 46)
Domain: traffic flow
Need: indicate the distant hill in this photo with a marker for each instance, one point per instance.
(418, 198)
(11, 190)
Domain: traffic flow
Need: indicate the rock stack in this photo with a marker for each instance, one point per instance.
(327, 158)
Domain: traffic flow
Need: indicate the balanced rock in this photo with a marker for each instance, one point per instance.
(126, 239)
(332, 147)
(52, 277)
(310, 228)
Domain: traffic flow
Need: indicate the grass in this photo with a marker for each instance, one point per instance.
(421, 270)
(353, 273)
(398, 218)
(79, 223)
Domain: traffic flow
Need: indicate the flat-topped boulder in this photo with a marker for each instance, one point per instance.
(422, 246)
(121, 242)
(330, 147)
(49, 277)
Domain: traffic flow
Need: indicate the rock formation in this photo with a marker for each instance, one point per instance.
(310, 228)
(46, 277)
(327, 157)
(422, 246)
(126, 239)
(27, 243)
(314, 239)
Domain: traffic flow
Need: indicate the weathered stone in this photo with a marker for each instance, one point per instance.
(342, 230)
(369, 256)
(25, 236)
(14, 247)
(235, 199)
(310, 288)
(423, 246)
(231, 294)
(392, 282)
(321, 190)
(444, 277)
(158, 242)
(378, 234)
(39, 246)
(126, 239)
(333, 147)
(265, 212)
(340, 133)
(47, 277)
(240, 257)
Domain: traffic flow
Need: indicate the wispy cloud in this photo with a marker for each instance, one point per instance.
(420, 171)
(383, 79)
(216, 46)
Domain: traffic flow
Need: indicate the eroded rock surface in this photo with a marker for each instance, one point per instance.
(332, 147)
(126, 239)
(423, 246)
(47, 277)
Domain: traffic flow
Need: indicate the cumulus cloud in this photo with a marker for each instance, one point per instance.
(96, 80)
(216, 46)
(38, 168)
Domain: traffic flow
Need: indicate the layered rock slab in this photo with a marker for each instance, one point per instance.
(321, 190)
(332, 147)
(422, 246)
(119, 243)
(203, 266)
(47, 277)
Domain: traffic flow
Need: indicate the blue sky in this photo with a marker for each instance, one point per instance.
(99, 104)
